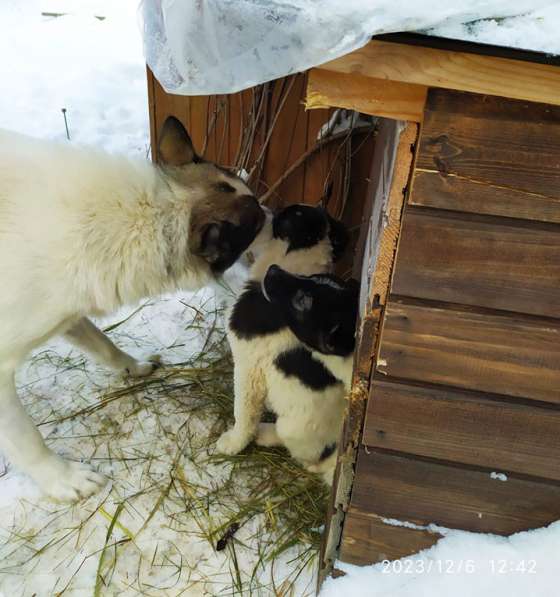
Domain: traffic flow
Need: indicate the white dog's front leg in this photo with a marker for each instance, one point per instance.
(89, 338)
(250, 392)
(22, 443)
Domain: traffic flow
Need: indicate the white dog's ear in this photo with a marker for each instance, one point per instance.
(175, 147)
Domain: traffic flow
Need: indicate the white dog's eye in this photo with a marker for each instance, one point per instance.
(302, 301)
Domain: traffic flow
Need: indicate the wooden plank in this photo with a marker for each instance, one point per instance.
(465, 428)
(423, 492)
(288, 138)
(399, 101)
(452, 70)
(368, 540)
(474, 261)
(456, 193)
(505, 143)
(387, 228)
(392, 166)
(490, 353)
(150, 81)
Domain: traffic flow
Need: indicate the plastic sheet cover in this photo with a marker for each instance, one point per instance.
(199, 47)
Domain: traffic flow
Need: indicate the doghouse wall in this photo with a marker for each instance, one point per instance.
(467, 375)
(267, 132)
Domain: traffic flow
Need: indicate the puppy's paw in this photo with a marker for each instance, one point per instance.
(66, 481)
(232, 442)
(325, 468)
(144, 368)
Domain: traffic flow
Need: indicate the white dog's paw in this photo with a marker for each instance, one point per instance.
(144, 368)
(67, 481)
(232, 442)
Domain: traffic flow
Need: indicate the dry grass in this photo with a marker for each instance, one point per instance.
(178, 519)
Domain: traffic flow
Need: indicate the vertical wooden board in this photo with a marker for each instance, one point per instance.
(222, 130)
(198, 116)
(236, 120)
(482, 262)
(507, 355)
(368, 540)
(150, 82)
(287, 138)
(370, 314)
(166, 104)
(317, 167)
(503, 142)
(425, 492)
(467, 428)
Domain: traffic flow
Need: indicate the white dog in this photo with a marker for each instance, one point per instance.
(82, 233)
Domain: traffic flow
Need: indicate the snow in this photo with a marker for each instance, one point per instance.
(159, 543)
(462, 564)
(498, 476)
(535, 30)
(93, 68)
(198, 48)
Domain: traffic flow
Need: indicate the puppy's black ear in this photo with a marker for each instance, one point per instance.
(175, 147)
(339, 237)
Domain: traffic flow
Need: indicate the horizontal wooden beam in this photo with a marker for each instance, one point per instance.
(452, 70)
(399, 101)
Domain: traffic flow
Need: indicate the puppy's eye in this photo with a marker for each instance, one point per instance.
(224, 187)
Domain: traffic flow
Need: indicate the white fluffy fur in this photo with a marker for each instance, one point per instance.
(81, 233)
(307, 420)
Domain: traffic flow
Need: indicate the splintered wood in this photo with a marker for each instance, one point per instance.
(391, 168)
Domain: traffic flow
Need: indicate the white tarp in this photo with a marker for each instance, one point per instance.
(197, 47)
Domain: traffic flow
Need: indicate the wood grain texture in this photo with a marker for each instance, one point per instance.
(150, 82)
(423, 492)
(452, 70)
(502, 142)
(456, 193)
(368, 540)
(400, 101)
(474, 261)
(386, 222)
(376, 272)
(464, 428)
(479, 351)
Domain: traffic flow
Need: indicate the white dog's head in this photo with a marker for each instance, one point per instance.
(225, 216)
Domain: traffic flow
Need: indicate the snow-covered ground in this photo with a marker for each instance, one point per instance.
(463, 565)
(151, 531)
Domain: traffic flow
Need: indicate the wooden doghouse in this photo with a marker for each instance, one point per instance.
(457, 369)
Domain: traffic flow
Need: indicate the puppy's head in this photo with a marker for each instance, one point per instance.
(321, 310)
(225, 216)
(304, 226)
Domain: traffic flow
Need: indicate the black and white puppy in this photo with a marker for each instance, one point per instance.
(321, 310)
(271, 366)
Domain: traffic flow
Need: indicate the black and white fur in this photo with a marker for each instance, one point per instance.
(271, 366)
(321, 310)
